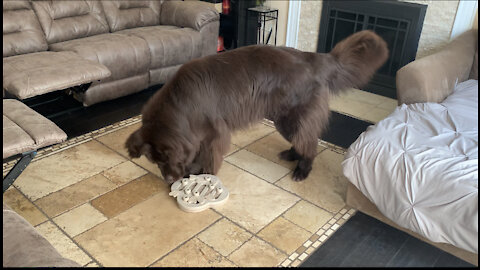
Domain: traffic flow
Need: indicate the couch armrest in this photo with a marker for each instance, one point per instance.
(193, 14)
(433, 78)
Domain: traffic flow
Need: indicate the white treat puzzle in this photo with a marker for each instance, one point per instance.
(199, 192)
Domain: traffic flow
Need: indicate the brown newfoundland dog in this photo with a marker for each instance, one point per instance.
(186, 125)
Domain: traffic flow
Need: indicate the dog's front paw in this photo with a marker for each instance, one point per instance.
(299, 174)
(304, 167)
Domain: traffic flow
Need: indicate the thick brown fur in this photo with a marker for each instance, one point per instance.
(186, 125)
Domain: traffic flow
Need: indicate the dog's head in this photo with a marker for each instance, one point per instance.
(160, 148)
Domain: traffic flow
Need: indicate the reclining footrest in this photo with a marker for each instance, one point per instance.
(25, 131)
(33, 74)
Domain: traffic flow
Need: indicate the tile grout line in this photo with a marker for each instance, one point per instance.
(252, 233)
(108, 168)
(184, 242)
(61, 230)
(96, 136)
(54, 149)
(226, 257)
(292, 193)
(299, 257)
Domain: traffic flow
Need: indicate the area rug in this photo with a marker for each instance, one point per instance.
(364, 241)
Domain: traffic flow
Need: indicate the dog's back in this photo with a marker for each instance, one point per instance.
(207, 98)
(243, 85)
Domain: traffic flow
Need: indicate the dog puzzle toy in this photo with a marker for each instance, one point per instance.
(199, 192)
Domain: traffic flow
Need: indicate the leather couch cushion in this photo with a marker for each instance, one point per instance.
(22, 32)
(130, 14)
(169, 45)
(124, 56)
(67, 20)
(193, 14)
(26, 130)
(33, 74)
(24, 246)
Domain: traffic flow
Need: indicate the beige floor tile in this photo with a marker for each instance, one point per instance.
(92, 264)
(126, 196)
(257, 253)
(68, 167)
(258, 165)
(242, 138)
(284, 235)
(147, 165)
(224, 236)
(79, 219)
(375, 115)
(74, 195)
(124, 173)
(194, 253)
(253, 203)
(270, 146)
(15, 200)
(232, 149)
(326, 185)
(62, 243)
(389, 105)
(364, 97)
(308, 216)
(144, 233)
(351, 107)
(116, 140)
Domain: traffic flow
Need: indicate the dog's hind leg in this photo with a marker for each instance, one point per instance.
(286, 128)
(302, 126)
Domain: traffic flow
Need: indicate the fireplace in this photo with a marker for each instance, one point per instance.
(399, 23)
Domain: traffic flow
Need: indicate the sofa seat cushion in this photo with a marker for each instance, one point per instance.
(169, 45)
(124, 56)
(38, 73)
(25, 130)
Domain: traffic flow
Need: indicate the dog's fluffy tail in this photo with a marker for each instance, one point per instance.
(357, 58)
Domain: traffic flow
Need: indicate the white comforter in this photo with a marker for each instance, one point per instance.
(419, 166)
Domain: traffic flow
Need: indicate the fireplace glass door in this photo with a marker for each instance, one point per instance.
(398, 23)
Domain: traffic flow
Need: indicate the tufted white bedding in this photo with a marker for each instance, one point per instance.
(419, 166)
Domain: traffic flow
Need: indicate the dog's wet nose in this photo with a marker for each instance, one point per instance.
(169, 179)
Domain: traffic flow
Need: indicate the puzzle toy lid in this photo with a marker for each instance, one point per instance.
(199, 192)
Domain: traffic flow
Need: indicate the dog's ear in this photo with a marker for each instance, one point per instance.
(136, 146)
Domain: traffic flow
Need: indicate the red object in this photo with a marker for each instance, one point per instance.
(226, 7)
(220, 46)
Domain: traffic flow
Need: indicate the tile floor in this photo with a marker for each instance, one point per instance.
(100, 208)
(363, 105)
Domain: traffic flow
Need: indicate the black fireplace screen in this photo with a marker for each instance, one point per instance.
(398, 23)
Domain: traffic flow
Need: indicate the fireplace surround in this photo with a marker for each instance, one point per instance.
(398, 23)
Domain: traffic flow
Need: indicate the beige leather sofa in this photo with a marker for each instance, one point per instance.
(120, 47)
(429, 79)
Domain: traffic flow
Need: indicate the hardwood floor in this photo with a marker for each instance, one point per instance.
(366, 242)
(75, 119)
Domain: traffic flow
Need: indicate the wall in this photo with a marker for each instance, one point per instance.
(282, 6)
(475, 21)
(435, 33)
